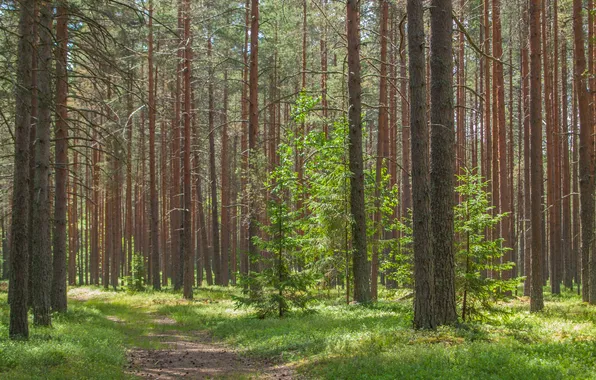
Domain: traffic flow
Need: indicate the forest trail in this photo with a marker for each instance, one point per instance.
(195, 355)
(177, 353)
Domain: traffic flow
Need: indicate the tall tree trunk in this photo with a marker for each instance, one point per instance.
(360, 259)
(501, 135)
(424, 291)
(32, 139)
(253, 122)
(226, 229)
(406, 131)
(558, 254)
(175, 215)
(41, 274)
(19, 230)
(575, 178)
(566, 241)
(586, 159)
(488, 173)
(129, 211)
(382, 146)
(154, 208)
(213, 179)
(442, 159)
(74, 232)
(550, 159)
(189, 266)
(58, 296)
(527, 160)
(460, 160)
(536, 298)
(324, 55)
(165, 264)
(94, 264)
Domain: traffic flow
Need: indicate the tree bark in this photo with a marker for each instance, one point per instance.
(189, 267)
(536, 298)
(41, 274)
(253, 124)
(226, 229)
(424, 303)
(58, 292)
(19, 230)
(586, 160)
(442, 160)
(566, 241)
(360, 259)
(154, 208)
(382, 146)
(216, 256)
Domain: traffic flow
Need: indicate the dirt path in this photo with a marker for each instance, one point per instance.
(194, 355)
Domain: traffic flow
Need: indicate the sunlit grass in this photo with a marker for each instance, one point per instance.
(335, 341)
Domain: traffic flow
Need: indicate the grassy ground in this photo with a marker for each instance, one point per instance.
(336, 341)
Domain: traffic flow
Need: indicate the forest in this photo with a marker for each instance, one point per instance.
(317, 189)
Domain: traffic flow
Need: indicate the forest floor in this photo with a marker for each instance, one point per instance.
(120, 335)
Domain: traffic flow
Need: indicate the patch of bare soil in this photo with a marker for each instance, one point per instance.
(194, 355)
(84, 294)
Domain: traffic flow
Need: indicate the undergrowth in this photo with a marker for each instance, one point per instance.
(337, 341)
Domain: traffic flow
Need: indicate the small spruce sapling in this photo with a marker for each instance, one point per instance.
(476, 255)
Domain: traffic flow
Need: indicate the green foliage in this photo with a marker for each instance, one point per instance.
(399, 265)
(135, 282)
(324, 220)
(479, 261)
(276, 289)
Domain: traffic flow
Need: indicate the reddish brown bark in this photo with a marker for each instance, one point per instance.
(189, 267)
(566, 241)
(226, 229)
(382, 145)
(216, 255)
(253, 122)
(586, 159)
(442, 172)
(424, 316)
(536, 298)
(154, 208)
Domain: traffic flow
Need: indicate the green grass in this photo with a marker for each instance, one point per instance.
(81, 344)
(334, 342)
